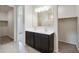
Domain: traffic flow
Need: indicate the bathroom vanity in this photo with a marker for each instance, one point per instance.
(40, 38)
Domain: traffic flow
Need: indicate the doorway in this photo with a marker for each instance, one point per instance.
(67, 29)
(6, 24)
(67, 34)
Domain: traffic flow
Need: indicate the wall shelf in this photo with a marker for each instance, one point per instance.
(3, 23)
(67, 18)
(3, 20)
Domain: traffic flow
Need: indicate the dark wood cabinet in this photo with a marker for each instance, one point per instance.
(42, 42)
(37, 44)
(29, 39)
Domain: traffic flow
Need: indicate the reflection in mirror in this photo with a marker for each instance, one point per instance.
(44, 15)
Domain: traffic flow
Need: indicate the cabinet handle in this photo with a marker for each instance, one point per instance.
(50, 48)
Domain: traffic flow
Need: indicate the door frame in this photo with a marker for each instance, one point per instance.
(15, 24)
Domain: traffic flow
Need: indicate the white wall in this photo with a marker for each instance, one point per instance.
(34, 18)
(3, 29)
(3, 16)
(15, 23)
(20, 24)
(65, 11)
(11, 23)
(77, 13)
(55, 10)
(30, 17)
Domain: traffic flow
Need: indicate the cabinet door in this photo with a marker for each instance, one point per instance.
(51, 42)
(37, 43)
(29, 39)
(41, 42)
(44, 44)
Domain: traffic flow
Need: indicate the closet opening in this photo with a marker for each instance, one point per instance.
(6, 24)
(67, 29)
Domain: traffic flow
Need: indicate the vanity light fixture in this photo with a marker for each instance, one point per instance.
(43, 8)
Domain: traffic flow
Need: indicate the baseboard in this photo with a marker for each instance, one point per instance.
(3, 35)
(67, 42)
(11, 37)
(55, 51)
(7, 36)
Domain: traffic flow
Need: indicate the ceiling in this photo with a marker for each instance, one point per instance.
(5, 8)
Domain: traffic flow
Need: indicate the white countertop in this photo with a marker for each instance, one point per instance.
(42, 30)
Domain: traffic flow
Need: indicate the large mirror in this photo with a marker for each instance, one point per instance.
(44, 15)
(39, 17)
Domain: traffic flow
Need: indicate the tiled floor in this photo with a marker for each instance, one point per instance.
(10, 47)
(67, 48)
(5, 39)
(13, 47)
(26, 49)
